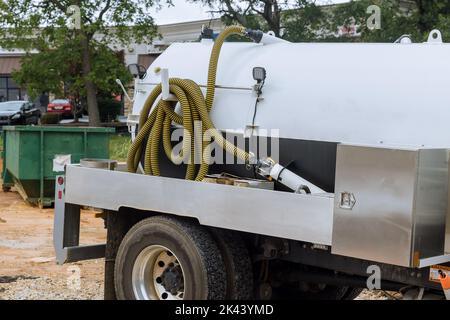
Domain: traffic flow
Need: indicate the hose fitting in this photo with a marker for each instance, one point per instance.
(265, 38)
(255, 35)
(270, 169)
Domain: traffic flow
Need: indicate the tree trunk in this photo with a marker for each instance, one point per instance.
(91, 88)
(272, 15)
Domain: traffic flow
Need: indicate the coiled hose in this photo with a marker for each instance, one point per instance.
(195, 108)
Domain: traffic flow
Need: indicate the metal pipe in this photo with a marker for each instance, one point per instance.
(204, 86)
(270, 169)
(293, 181)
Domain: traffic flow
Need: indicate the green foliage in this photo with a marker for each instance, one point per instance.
(416, 19)
(59, 71)
(305, 20)
(304, 23)
(297, 20)
(109, 109)
(42, 24)
(431, 14)
(61, 52)
(395, 21)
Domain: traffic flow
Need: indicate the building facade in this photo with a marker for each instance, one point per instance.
(9, 90)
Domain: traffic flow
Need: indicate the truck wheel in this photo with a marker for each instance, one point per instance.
(163, 258)
(237, 263)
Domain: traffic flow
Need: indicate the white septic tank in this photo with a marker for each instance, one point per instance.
(358, 93)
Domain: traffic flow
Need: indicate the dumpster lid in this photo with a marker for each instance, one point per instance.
(58, 129)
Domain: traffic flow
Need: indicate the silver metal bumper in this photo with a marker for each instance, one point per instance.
(66, 231)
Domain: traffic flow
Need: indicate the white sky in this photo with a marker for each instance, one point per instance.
(184, 11)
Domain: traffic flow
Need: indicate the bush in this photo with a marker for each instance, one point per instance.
(109, 109)
(50, 118)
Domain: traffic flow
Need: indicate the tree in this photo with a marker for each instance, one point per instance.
(415, 18)
(244, 12)
(395, 21)
(306, 22)
(70, 40)
(291, 20)
(62, 72)
(431, 14)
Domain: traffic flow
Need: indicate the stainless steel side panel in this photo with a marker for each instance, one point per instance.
(379, 227)
(430, 205)
(278, 214)
(400, 204)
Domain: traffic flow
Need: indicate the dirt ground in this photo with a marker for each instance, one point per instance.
(28, 270)
(27, 265)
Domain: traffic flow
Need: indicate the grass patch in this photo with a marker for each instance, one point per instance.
(118, 147)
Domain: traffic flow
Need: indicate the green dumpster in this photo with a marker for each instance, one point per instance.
(29, 154)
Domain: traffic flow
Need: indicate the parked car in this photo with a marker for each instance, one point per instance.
(19, 113)
(63, 106)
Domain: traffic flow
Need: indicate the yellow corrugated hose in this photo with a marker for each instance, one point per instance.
(157, 121)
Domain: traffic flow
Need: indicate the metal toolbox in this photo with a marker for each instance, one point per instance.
(391, 205)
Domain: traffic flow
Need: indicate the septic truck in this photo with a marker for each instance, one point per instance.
(266, 169)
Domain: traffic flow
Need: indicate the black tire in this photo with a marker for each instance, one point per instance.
(237, 263)
(196, 250)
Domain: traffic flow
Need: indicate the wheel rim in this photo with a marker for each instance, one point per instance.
(158, 275)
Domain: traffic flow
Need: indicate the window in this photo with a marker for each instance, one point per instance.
(12, 84)
(14, 95)
(10, 90)
(3, 95)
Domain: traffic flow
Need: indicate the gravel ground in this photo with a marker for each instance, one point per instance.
(378, 295)
(28, 270)
(46, 288)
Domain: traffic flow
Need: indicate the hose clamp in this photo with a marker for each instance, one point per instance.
(265, 166)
